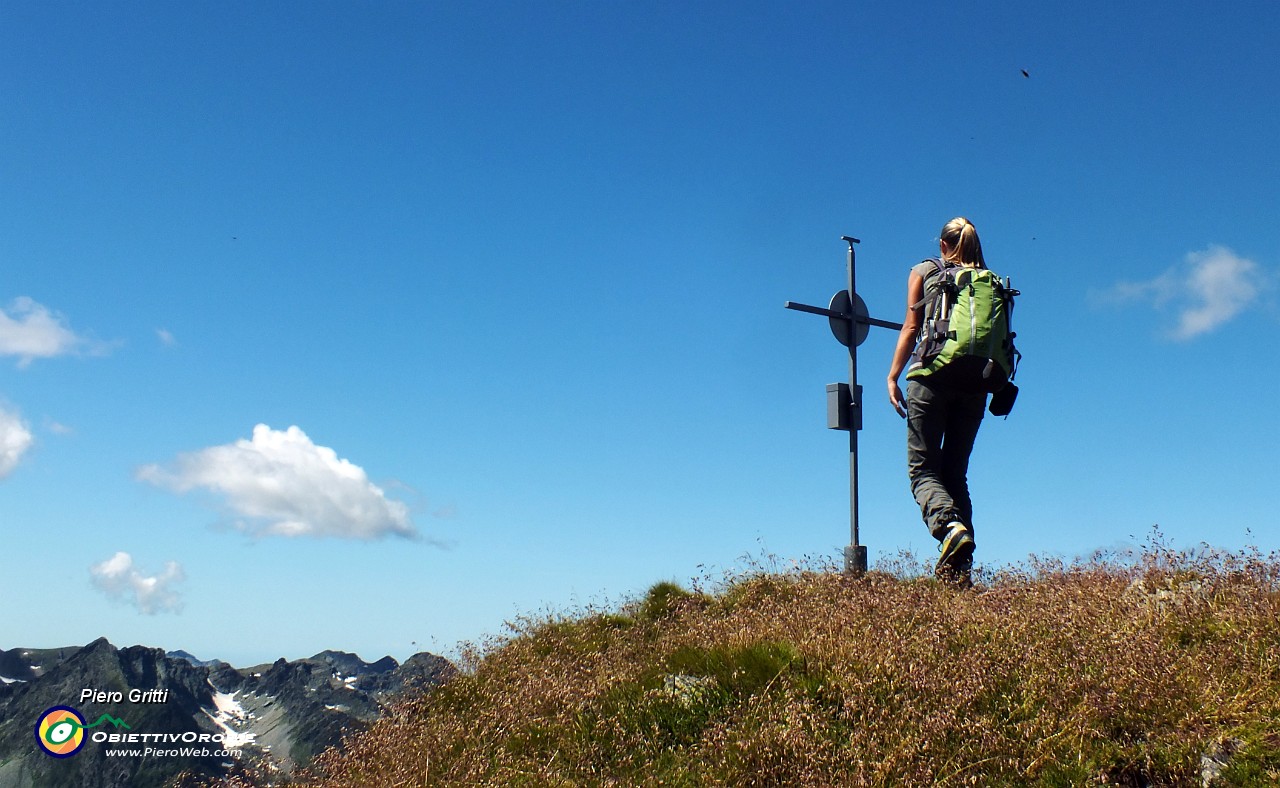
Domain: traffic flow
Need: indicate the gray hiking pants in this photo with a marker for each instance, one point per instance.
(941, 427)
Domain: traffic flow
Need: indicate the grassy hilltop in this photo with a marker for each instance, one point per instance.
(1160, 669)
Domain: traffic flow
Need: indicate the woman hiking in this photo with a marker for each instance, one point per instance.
(944, 403)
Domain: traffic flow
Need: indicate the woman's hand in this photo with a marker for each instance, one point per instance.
(896, 399)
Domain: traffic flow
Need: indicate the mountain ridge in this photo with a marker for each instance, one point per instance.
(275, 717)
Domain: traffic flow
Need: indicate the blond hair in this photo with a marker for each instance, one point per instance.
(962, 242)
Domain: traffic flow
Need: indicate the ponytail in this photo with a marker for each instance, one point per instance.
(962, 239)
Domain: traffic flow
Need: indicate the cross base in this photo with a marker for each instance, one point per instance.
(855, 560)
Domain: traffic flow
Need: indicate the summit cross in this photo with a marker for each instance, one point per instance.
(850, 323)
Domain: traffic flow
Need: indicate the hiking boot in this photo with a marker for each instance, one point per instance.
(957, 552)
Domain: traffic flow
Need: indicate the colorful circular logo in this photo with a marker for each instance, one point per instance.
(60, 731)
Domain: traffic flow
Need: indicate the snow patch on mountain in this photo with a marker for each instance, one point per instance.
(229, 710)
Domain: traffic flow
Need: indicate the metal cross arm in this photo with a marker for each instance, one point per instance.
(850, 323)
(861, 318)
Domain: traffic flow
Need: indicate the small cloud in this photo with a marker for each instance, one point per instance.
(15, 440)
(120, 580)
(1223, 284)
(1206, 290)
(279, 483)
(166, 337)
(58, 428)
(29, 331)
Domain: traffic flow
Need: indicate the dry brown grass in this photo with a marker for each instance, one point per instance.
(1116, 670)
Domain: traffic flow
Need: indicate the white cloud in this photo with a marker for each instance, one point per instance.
(1206, 290)
(15, 440)
(166, 337)
(281, 484)
(1222, 284)
(119, 579)
(29, 331)
(58, 428)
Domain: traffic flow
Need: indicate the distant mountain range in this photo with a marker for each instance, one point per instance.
(146, 716)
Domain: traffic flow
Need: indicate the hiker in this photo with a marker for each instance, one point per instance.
(947, 386)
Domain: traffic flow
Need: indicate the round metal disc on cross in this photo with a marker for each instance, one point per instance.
(844, 330)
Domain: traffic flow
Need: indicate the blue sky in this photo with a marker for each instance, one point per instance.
(502, 283)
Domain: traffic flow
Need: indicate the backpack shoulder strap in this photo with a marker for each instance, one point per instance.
(939, 269)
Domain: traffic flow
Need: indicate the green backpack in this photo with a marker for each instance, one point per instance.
(966, 336)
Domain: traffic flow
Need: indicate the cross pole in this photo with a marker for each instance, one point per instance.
(850, 324)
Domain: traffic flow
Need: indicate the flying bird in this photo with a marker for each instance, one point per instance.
(1025, 74)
